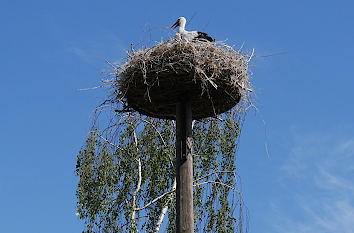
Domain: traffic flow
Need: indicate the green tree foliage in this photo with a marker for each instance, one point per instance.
(127, 172)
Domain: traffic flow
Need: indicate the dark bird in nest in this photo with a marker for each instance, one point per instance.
(192, 35)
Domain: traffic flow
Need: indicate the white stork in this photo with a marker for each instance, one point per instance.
(189, 36)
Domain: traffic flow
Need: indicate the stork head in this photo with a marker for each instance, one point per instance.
(181, 22)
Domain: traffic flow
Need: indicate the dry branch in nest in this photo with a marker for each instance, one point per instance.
(213, 76)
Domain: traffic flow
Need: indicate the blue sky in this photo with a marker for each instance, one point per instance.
(49, 49)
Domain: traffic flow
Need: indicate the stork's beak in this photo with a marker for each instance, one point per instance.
(175, 25)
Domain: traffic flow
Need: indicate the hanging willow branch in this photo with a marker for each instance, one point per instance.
(133, 177)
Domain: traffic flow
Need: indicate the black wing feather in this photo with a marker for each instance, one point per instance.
(204, 36)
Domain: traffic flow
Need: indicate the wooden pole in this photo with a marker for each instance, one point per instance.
(184, 168)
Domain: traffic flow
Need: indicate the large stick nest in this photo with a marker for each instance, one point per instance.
(213, 76)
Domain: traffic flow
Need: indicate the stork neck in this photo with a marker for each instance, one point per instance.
(182, 27)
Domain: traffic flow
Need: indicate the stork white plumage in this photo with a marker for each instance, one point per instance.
(192, 35)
